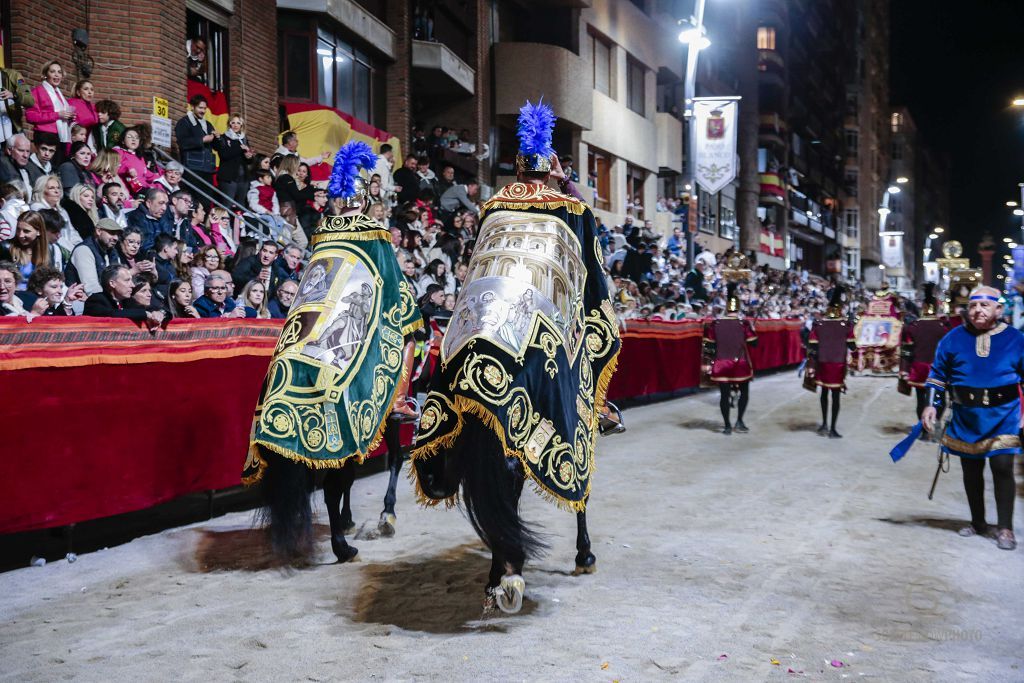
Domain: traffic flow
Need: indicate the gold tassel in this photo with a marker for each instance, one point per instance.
(362, 236)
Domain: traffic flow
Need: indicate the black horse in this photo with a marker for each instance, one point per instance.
(287, 513)
(492, 485)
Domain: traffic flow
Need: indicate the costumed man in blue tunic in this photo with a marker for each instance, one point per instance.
(339, 370)
(980, 365)
(525, 365)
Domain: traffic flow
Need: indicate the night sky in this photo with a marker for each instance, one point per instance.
(956, 66)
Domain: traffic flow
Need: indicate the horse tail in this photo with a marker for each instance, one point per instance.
(286, 511)
(491, 486)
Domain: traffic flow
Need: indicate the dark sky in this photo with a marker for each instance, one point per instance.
(956, 66)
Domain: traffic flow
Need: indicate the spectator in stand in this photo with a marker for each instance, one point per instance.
(80, 207)
(148, 217)
(436, 141)
(166, 263)
(385, 164)
(375, 193)
(171, 179)
(446, 181)
(196, 140)
(45, 149)
(290, 198)
(235, 152)
(183, 261)
(201, 235)
(51, 111)
(116, 293)
(132, 170)
(407, 183)
(461, 196)
(419, 141)
(142, 295)
(286, 267)
(45, 294)
(29, 249)
(60, 256)
(110, 129)
(128, 248)
(195, 59)
(413, 251)
(677, 242)
(435, 274)
(92, 256)
(254, 300)
(112, 203)
(179, 300)
(281, 303)
(426, 177)
(78, 134)
(431, 302)
(179, 217)
(15, 98)
(259, 266)
(85, 108)
(313, 211)
(14, 165)
(10, 304)
(47, 193)
(461, 270)
(216, 302)
(377, 212)
(207, 260)
(290, 147)
(262, 198)
(227, 233)
(695, 282)
(75, 171)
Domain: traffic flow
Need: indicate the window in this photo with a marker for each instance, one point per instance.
(635, 189)
(852, 141)
(601, 53)
(599, 172)
(851, 181)
(635, 93)
(851, 219)
(727, 227)
(765, 38)
(293, 60)
(897, 151)
(706, 211)
(896, 122)
(209, 66)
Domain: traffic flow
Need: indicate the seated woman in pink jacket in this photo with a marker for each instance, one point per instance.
(133, 171)
(84, 104)
(51, 113)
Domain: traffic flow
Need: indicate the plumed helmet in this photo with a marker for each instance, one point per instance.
(535, 126)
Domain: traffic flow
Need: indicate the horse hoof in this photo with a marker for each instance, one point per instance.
(386, 526)
(348, 527)
(585, 569)
(343, 551)
(509, 594)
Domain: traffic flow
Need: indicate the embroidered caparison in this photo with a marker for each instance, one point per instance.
(522, 196)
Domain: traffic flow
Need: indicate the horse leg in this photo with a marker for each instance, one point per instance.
(348, 475)
(338, 485)
(586, 563)
(512, 587)
(388, 518)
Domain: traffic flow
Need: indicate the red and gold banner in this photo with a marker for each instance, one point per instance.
(325, 129)
(217, 110)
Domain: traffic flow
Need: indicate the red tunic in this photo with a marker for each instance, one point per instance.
(831, 336)
(731, 336)
(918, 348)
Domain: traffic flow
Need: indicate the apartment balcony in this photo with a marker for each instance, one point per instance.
(670, 141)
(771, 130)
(352, 16)
(525, 71)
(772, 68)
(438, 71)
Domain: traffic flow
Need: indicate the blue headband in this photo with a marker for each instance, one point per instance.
(984, 297)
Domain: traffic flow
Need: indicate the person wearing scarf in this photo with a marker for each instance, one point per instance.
(235, 152)
(51, 111)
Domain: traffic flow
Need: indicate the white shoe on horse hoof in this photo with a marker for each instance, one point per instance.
(510, 593)
(386, 526)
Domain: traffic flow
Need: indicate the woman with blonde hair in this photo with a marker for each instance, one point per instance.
(104, 166)
(81, 208)
(235, 152)
(47, 193)
(254, 298)
(51, 112)
(29, 248)
(218, 222)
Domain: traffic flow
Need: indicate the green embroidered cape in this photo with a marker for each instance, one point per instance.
(332, 380)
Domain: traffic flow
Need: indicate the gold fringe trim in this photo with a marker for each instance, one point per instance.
(468, 405)
(360, 236)
(413, 326)
(601, 396)
(575, 207)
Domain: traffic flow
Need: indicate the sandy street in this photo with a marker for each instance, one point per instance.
(773, 555)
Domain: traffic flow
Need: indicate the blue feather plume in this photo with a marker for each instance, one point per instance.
(352, 157)
(536, 124)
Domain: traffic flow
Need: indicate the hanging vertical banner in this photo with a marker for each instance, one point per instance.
(715, 153)
(931, 271)
(1018, 266)
(892, 253)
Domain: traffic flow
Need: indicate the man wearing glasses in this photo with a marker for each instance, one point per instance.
(177, 218)
(215, 303)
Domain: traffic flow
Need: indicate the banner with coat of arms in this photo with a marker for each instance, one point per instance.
(716, 119)
(892, 253)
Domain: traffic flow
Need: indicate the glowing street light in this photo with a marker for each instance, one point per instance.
(902, 180)
(1018, 212)
(939, 230)
(893, 189)
(933, 236)
(1007, 240)
(693, 35)
(1018, 102)
(1011, 204)
(883, 211)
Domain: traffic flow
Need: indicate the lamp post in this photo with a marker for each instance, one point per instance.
(695, 41)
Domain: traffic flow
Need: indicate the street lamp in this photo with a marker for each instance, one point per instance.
(893, 189)
(902, 180)
(939, 230)
(693, 36)
(1018, 102)
(1011, 204)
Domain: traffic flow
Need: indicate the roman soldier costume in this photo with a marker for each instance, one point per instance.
(917, 347)
(828, 346)
(727, 361)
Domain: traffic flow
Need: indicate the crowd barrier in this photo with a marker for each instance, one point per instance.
(101, 417)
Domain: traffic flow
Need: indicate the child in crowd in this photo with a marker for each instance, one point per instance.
(263, 202)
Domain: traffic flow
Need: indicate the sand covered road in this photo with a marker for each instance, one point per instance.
(720, 558)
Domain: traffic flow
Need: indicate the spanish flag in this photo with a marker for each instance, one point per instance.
(325, 129)
(217, 111)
